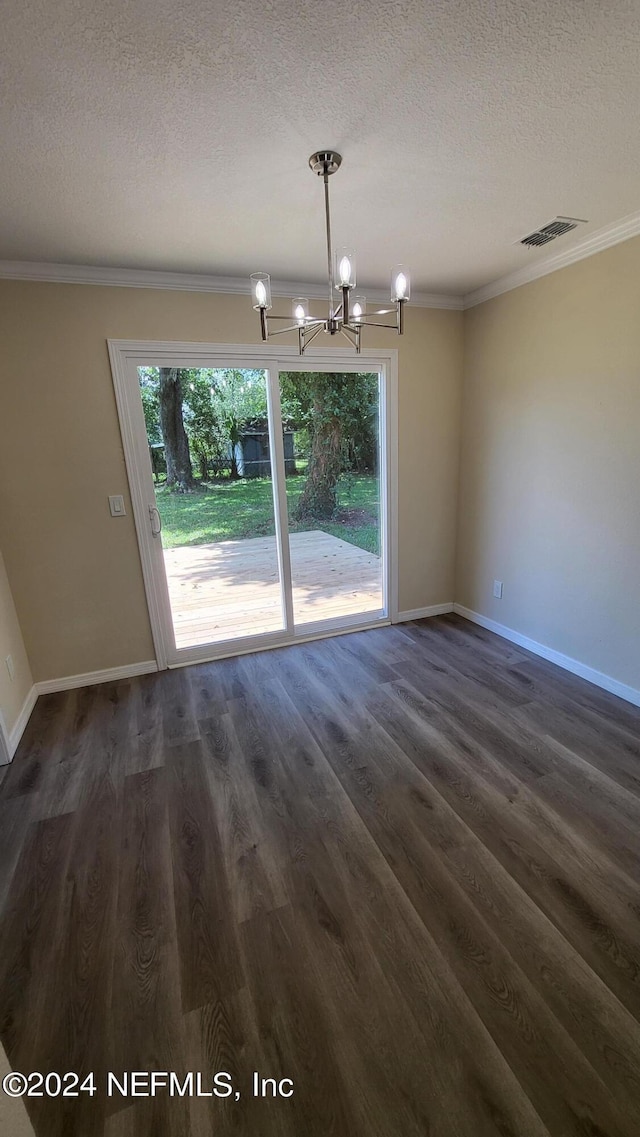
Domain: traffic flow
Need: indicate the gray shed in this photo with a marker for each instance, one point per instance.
(255, 461)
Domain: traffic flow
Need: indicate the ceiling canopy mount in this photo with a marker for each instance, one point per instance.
(322, 161)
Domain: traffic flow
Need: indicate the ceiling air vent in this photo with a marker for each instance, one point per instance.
(556, 228)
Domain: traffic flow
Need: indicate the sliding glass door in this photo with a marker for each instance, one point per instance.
(208, 431)
(331, 424)
(260, 493)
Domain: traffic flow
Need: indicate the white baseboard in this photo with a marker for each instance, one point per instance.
(89, 678)
(146, 667)
(422, 613)
(629, 694)
(11, 738)
(4, 742)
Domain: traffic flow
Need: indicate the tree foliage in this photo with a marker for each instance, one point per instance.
(334, 415)
(217, 404)
(201, 422)
(241, 402)
(339, 411)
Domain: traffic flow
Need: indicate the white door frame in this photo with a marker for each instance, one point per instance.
(127, 355)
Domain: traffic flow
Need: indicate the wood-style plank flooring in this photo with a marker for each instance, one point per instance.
(231, 589)
(398, 867)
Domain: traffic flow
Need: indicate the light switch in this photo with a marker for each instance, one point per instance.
(116, 505)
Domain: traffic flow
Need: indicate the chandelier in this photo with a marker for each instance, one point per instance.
(349, 314)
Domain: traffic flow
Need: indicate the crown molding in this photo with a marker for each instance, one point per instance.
(602, 239)
(193, 282)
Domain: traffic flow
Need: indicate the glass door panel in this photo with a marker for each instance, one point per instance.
(331, 438)
(209, 444)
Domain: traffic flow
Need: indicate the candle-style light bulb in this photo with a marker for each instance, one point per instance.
(300, 309)
(345, 268)
(261, 290)
(358, 308)
(345, 271)
(400, 283)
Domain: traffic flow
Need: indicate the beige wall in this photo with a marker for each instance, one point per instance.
(549, 472)
(550, 466)
(74, 570)
(13, 693)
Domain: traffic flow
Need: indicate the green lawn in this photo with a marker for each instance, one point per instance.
(235, 510)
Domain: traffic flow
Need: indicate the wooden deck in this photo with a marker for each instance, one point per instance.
(231, 589)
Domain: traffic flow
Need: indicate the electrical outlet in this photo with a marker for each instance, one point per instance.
(497, 589)
(10, 667)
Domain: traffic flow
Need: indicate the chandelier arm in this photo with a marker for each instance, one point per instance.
(308, 320)
(281, 331)
(349, 334)
(305, 341)
(376, 324)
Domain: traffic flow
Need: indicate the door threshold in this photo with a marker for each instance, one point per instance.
(229, 651)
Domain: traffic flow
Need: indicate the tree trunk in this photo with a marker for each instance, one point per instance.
(234, 439)
(174, 436)
(203, 461)
(318, 498)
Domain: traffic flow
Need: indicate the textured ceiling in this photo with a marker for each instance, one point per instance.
(174, 134)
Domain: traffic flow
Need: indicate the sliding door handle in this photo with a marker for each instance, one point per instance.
(155, 513)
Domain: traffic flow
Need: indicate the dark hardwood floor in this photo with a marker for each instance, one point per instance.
(398, 867)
